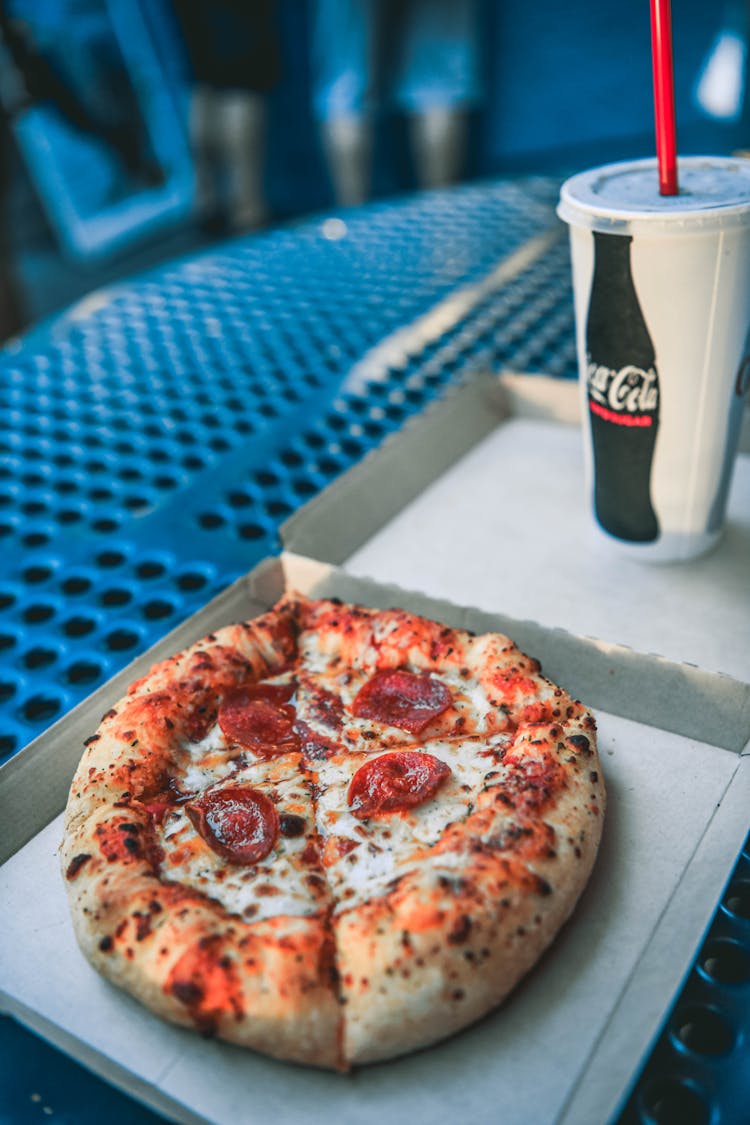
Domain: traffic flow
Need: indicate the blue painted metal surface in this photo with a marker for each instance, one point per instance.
(157, 437)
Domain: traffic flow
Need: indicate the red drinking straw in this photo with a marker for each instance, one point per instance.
(666, 134)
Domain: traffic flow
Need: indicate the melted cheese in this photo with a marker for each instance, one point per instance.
(279, 884)
(365, 856)
(390, 845)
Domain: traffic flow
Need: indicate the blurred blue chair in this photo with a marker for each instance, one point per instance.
(119, 171)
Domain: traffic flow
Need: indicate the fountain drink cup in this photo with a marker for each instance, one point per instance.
(662, 303)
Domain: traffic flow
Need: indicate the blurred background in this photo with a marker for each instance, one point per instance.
(134, 131)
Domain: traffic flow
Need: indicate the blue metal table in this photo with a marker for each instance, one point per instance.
(157, 435)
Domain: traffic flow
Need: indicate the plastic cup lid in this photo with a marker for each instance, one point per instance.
(624, 198)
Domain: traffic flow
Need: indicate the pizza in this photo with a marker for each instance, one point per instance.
(332, 834)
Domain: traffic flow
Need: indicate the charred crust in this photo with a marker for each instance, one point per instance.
(187, 992)
(106, 944)
(92, 738)
(460, 931)
(142, 925)
(76, 864)
(580, 743)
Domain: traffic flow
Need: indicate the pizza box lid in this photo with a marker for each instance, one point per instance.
(485, 492)
(566, 1045)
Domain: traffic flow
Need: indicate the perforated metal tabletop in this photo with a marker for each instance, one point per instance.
(157, 436)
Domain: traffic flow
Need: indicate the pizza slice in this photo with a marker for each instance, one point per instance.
(191, 854)
(458, 817)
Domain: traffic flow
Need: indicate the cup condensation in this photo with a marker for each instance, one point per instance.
(673, 272)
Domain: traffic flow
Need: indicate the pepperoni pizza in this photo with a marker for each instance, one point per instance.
(332, 834)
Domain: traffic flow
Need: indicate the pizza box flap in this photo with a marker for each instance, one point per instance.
(339, 519)
(333, 524)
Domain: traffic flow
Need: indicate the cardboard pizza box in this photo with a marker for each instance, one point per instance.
(674, 749)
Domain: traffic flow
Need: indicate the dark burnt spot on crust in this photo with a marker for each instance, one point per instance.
(123, 841)
(76, 864)
(106, 944)
(542, 887)
(509, 836)
(205, 980)
(142, 925)
(187, 992)
(92, 738)
(460, 931)
(580, 743)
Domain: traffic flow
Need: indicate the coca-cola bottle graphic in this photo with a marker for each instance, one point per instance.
(623, 395)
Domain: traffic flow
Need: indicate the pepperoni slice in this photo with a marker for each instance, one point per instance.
(239, 823)
(397, 781)
(274, 693)
(260, 719)
(409, 700)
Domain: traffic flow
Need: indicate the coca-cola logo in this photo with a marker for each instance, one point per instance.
(631, 390)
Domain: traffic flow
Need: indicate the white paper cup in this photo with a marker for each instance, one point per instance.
(662, 301)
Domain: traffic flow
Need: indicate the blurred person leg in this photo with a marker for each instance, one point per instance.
(203, 129)
(242, 130)
(438, 83)
(233, 54)
(344, 46)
